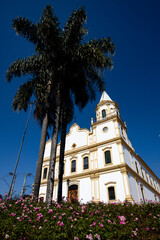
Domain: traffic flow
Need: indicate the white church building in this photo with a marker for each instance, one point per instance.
(100, 164)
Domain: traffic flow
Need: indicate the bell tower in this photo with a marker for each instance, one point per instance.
(106, 107)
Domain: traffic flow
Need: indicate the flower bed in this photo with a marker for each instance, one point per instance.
(27, 219)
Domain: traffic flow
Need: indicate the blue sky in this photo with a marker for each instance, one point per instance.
(134, 83)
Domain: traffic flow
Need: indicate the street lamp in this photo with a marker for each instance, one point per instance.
(24, 187)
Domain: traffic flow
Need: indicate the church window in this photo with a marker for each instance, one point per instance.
(146, 177)
(137, 167)
(85, 163)
(103, 113)
(107, 155)
(155, 197)
(142, 192)
(151, 180)
(105, 129)
(45, 173)
(111, 193)
(73, 166)
(142, 172)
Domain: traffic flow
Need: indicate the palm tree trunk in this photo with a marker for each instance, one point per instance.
(61, 160)
(37, 180)
(51, 174)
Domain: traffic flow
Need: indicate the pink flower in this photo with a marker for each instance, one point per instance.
(109, 221)
(89, 236)
(147, 229)
(93, 224)
(97, 236)
(61, 224)
(76, 238)
(13, 214)
(122, 222)
(136, 219)
(122, 218)
(6, 236)
(50, 211)
(101, 225)
(60, 217)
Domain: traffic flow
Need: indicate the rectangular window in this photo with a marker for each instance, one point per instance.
(142, 172)
(111, 193)
(143, 198)
(45, 173)
(85, 163)
(73, 166)
(146, 177)
(136, 167)
(107, 155)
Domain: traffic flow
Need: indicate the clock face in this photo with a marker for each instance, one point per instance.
(105, 129)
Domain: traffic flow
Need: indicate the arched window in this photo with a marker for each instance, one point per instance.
(73, 166)
(45, 173)
(111, 193)
(85, 163)
(103, 113)
(107, 155)
(142, 192)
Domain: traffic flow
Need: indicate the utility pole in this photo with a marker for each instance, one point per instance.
(14, 173)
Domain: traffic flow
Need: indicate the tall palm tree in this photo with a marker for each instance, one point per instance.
(81, 69)
(38, 66)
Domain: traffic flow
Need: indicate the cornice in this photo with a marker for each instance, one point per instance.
(106, 102)
(138, 177)
(91, 173)
(112, 117)
(140, 159)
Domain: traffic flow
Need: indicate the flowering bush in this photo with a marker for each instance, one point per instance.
(27, 219)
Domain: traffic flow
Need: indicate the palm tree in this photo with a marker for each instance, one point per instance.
(38, 66)
(81, 69)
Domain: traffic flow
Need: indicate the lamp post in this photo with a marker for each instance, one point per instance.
(14, 173)
(68, 181)
(23, 188)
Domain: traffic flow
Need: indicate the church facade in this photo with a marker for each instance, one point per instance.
(100, 164)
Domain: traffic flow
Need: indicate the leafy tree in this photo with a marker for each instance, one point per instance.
(39, 85)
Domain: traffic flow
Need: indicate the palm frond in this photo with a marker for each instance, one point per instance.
(26, 29)
(24, 66)
(74, 30)
(23, 96)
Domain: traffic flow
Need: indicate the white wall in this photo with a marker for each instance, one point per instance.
(115, 178)
(133, 188)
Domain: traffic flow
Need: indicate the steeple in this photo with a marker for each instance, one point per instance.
(106, 107)
(105, 97)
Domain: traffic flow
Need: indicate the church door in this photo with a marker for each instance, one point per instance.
(73, 193)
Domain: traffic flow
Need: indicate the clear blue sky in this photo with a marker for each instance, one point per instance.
(134, 83)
